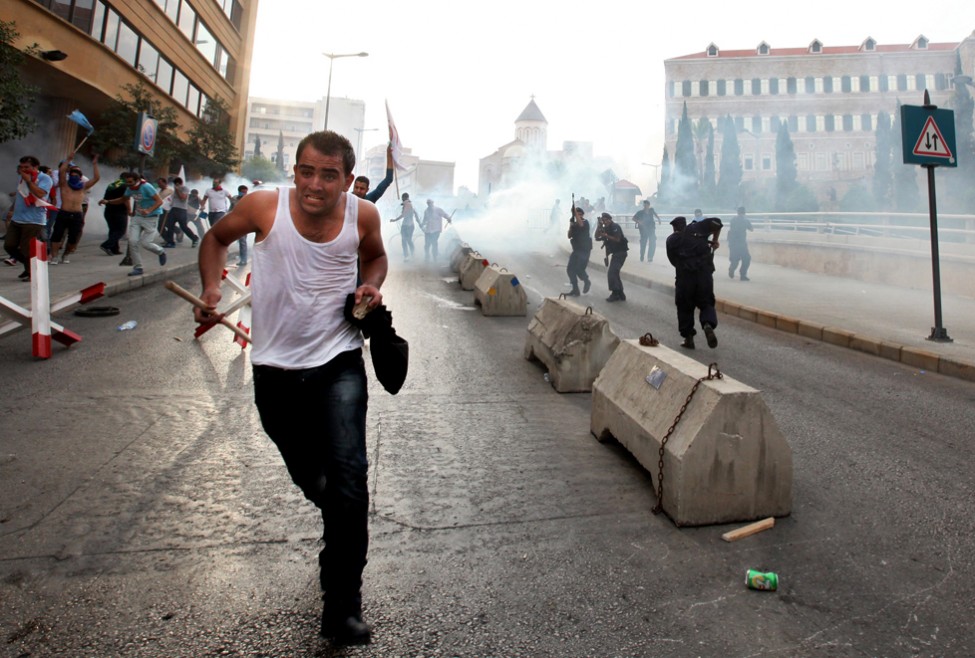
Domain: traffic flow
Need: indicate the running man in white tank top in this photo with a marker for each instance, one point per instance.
(309, 378)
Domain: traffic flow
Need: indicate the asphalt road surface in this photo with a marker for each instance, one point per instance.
(144, 513)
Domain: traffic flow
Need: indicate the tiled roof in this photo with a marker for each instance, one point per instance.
(826, 50)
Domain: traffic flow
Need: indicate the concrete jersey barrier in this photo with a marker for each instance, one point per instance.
(458, 255)
(726, 461)
(498, 292)
(470, 269)
(573, 343)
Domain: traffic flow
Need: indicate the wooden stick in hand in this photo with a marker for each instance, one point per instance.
(174, 287)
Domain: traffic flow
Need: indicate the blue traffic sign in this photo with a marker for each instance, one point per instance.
(928, 136)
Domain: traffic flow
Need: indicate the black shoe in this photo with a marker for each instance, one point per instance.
(613, 298)
(346, 630)
(622, 297)
(586, 285)
(688, 343)
(572, 293)
(24, 275)
(108, 252)
(745, 278)
(169, 245)
(709, 334)
(731, 273)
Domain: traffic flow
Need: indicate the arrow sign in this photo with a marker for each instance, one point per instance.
(931, 142)
(928, 136)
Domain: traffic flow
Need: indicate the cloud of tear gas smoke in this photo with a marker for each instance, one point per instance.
(518, 217)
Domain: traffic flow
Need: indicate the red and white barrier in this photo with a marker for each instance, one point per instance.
(43, 329)
(242, 303)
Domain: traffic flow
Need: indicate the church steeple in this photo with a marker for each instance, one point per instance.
(531, 127)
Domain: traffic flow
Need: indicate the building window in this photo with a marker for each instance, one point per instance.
(164, 75)
(912, 82)
(864, 83)
(756, 87)
(901, 82)
(847, 122)
(925, 81)
(816, 46)
(712, 50)
(180, 87)
(98, 21)
(128, 43)
(749, 163)
(193, 100)
(685, 88)
(793, 123)
(810, 85)
(739, 123)
(766, 163)
(869, 45)
(940, 81)
(775, 124)
(857, 122)
(722, 87)
(765, 124)
(148, 60)
(867, 121)
(828, 84)
(830, 123)
(703, 84)
(812, 123)
(111, 29)
(187, 21)
(790, 85)
(845, 84)
(739, 87)
(773, 86)
(874, 84)
(820, 85)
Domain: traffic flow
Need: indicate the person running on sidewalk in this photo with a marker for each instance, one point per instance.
(581, 241)
(309, 377)
(644, 220)
(738, 244)
(217, 200)
(432, 225)
(116, 216)
(616, 245)
(73, 187)
(145, 209)
(177, 216)
(691, 251)
(29, 217)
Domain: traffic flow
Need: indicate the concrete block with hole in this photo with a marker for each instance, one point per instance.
(726, 459)
(498, 292)
(458, 255)
(471, 267)
(572, 342)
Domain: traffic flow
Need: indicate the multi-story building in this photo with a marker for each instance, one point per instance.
(188, 51)
(272, 120)
(830, 98)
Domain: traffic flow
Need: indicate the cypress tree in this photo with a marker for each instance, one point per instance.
(684, 179)
(785, 167)
(729, 167)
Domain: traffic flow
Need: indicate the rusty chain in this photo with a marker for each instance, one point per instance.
(716, 374)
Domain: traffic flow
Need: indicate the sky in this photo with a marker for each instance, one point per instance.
(457, 74)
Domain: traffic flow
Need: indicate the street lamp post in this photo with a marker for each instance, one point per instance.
(358, 144)
(328, 93)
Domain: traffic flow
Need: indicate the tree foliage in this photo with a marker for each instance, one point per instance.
(708, 179)
(906, 195)
(663, 187)
(685, 177)
(211, 147)
(881, 169)
(729, 167)
(786, 174)
(16, 96)
(260, 168)
(115, 129)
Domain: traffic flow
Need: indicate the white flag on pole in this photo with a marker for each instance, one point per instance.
(394, 141)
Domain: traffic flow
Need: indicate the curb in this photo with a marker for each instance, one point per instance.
(910, 356)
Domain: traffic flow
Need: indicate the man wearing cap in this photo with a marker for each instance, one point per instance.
(691, 251)
(581, 242)
(648, 230)
(616, 245)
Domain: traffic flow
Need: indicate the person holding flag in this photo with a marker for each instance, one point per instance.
(30, 212)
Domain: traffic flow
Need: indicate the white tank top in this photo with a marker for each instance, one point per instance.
(298, 290)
